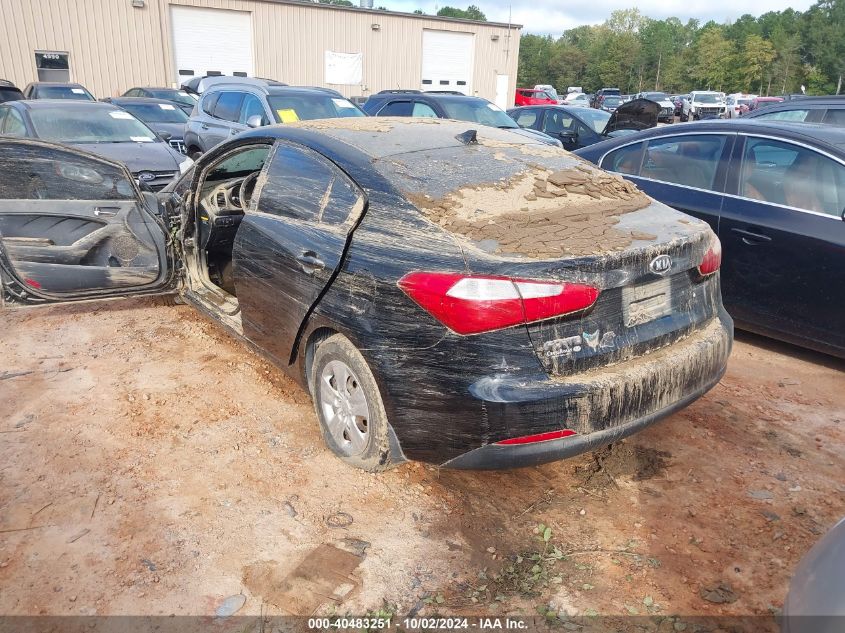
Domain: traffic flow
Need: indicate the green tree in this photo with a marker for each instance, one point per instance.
(338, 3)
(757, 54)
(472, 12)
(712, 58)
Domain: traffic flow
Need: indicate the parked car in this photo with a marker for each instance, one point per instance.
(609, 103)
(579, 127)
(763, 102)
(164, 116)
(667, 107)
(737, 105)
(181, 97)
(55, 90)
(413, 103)
(598, 97)
(814, 602)
(828, 110)
(577, 99)
(529, 96)
(100, 128)
(416, 337)
(9, 91)
(702, 104)
(774, 192)
(226, 109)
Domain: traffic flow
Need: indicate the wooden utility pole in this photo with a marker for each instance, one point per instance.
(657, 79)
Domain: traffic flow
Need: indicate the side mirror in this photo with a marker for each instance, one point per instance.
(166, 136)
(256, 120)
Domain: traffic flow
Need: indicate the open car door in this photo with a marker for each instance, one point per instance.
(74, 226)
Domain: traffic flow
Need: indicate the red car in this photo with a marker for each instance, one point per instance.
(530, 96)
(762, 102)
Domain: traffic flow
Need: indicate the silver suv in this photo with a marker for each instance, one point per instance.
(230, 107)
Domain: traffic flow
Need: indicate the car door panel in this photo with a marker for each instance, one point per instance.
(74, 226)
(288, 251)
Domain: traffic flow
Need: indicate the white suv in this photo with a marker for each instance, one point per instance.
(703, 104)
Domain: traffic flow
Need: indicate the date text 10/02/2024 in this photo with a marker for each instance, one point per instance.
(418, 623)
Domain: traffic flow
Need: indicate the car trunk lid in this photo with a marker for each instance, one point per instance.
(637, 114)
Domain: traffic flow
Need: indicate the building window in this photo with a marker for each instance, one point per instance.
(52, 66)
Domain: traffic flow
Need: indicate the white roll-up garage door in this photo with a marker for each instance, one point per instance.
(447, 59)
(210, 42)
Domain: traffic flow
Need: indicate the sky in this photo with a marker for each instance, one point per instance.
(553, 17)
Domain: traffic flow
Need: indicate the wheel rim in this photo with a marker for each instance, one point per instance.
(345, 409)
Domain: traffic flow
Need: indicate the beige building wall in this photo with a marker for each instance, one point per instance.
(114, 46)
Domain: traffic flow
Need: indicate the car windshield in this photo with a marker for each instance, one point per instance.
(477, 111)
(63, 92)
(89, 125)
(707, 98)
(612, 101)
(179, 96)
(302, 107)
(157, 112)
(656, 96)
(596, 119)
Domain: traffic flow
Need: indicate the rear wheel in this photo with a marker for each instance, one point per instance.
(349, 406)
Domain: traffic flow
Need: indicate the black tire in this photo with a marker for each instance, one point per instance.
(375, 454)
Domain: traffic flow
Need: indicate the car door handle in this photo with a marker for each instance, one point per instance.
(106, 212)
(752, 239)
(203, 126)
(310, 263)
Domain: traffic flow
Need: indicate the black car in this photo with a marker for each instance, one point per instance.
(180, 97)
(9, 92)
(446, 104)
(57, 90)
(774, 192)
(101, 128)
(579, 127)
(361, 255)
(166, 118)
(828, 110)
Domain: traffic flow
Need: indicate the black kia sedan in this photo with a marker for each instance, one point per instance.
(460, 296)
(579, 127)
(774, 192)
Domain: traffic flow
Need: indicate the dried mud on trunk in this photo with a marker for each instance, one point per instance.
(542, 213)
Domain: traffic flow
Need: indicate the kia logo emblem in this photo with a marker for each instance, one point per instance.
(146, 176)
(660, 265)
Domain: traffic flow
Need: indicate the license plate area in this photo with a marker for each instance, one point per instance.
(646, 302)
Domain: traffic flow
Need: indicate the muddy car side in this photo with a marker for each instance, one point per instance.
(535, 355)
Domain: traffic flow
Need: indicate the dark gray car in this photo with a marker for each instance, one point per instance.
(228, 108)
(166, 118)
(100, 128)
(57, 90)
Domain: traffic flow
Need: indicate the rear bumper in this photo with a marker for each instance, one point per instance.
(604, 405)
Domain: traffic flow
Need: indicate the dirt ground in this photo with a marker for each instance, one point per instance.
(149, 464)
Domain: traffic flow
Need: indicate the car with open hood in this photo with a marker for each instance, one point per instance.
(449, 293)
(577, 127)
(101, 128)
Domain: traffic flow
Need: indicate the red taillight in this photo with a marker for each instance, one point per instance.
(539, 437)
(472, 304)
(712, 259)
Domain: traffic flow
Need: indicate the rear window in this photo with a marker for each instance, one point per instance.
(10, 94)
(179, 96)
(304, 107)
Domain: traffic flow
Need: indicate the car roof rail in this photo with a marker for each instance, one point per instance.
(399, 92)
(445, 92)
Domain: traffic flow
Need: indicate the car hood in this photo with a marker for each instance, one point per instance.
(176, 130)
(535, 135)
(138, 156)
(638, 114)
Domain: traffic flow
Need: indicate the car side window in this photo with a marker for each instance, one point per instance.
(303, 185)
(625, 160)
(14, 125)
(690, 161)
(208, 103)
(4, 112)
(423, 110)
(228, 106)
(526, 118)
(792, 175)
(558, 121)
(252, 106)
(397, 108)
(835, 117)
(786, 115)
